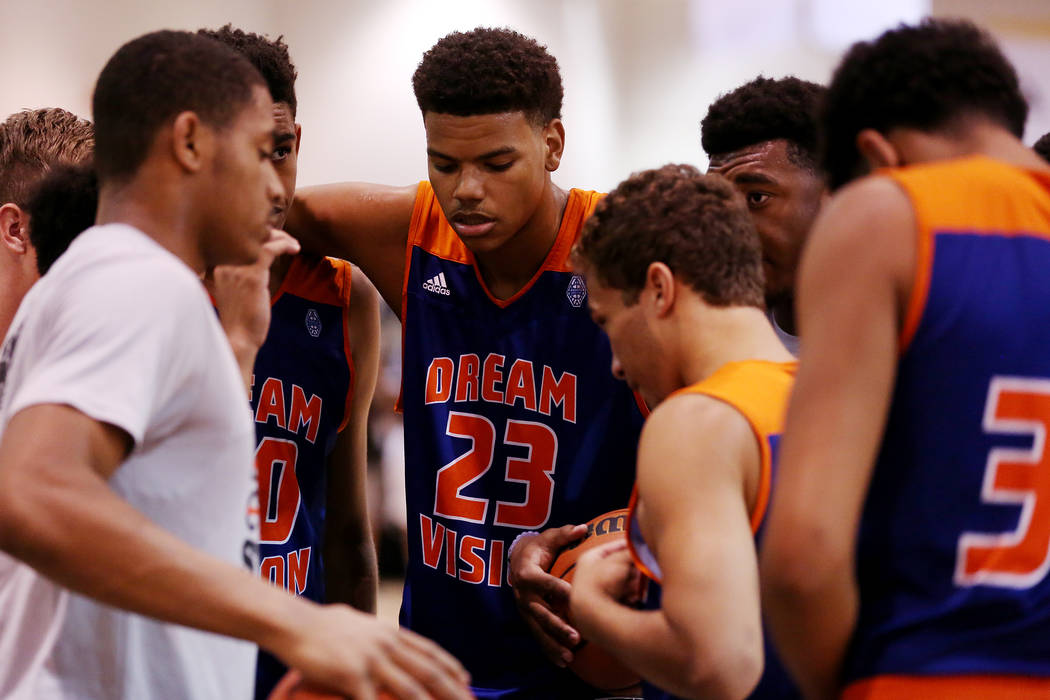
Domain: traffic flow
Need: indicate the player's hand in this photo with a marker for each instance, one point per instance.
(242, 293)
(345, 651)
(540, 596)
(605, 572)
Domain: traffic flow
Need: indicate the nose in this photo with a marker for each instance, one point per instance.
(469, 186)
(275, 193)
(617, 368)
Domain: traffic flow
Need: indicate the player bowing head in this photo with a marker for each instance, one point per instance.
(762, 136)
(674, 277)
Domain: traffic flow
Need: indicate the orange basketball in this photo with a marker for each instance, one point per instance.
(592, 664)
(292, 687)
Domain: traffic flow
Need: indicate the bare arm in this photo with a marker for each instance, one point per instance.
(350, 555)
(58, 514)
(855, 276)
(364, 223)
(706, 640)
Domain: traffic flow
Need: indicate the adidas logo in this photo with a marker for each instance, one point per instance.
(437, 285)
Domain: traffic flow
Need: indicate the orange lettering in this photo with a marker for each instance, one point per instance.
(467, 381)
(496, 564)
(490, 377)
(439, 380)
(305, 412)
(467, 553)
(521, 385)
(561, 392)
(273, 570)
(432, 538)
(450, 552)
(298, 568)
(271, 402)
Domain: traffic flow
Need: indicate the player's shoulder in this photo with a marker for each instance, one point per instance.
(686, 420)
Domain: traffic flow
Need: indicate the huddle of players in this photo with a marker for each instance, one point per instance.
(914, 358)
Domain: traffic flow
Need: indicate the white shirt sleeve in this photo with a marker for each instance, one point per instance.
(106, 345)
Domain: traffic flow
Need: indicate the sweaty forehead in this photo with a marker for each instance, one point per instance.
(282, 118)
(763, 154)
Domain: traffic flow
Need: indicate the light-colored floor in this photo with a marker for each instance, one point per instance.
(388, 602)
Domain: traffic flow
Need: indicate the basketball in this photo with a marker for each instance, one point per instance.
(592, 664)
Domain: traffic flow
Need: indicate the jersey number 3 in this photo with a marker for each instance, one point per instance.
(534, 471)
(1013, 476)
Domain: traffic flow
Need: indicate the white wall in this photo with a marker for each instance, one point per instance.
(638, 74)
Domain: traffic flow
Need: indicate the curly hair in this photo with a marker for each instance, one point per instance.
(269, 56)
(62, 204)
(924, 77)
(696, 224)
(766, 110)
(149, 80)
(34, 141)
(488, 71)
(1042, 146)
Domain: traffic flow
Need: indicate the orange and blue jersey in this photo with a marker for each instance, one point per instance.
(301, 388)
(513, 422)
(759, 391)
(954, 541)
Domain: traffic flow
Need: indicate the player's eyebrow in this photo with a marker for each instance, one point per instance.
(753, 179)
(505, 150)
(283, 135)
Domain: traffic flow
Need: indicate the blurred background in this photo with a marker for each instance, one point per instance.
(638, 75)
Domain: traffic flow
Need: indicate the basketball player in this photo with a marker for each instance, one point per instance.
(313, 383)
(31, 143)
(1042, 147)
(763, 138)
(674, 277)
(907, 544)
(145, 502)
(511, 423)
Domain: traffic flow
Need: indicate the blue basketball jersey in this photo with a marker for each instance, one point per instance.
(759, 391)
(513, 422)
(954, 542)
(302, 383)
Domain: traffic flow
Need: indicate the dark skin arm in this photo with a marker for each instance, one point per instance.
(361, 222)
(850, 316)
(351, 571)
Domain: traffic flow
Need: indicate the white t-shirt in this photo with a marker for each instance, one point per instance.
(122, 330)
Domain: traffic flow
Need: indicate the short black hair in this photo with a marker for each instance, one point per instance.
(766, 110)
(269, 56)
(1042, 146)
(153, 78)
(63, 204)
(488, 71)
(698, 225)
(34, 141)
(924, 77)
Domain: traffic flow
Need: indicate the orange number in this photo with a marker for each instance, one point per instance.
(1020, 476)
(278, 489)
(534, 471)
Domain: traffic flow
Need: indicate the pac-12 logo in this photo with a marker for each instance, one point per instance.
(313, 323)
(577, 291)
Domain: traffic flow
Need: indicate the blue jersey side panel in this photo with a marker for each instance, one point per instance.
(987, 318)
(506, 383)
(301, 380)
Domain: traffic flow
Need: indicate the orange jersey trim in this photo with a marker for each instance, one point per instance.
(948, 688)
(953, 195)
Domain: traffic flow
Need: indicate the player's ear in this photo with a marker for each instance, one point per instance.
(877, 149)
(190, 141)
(298, 136)
(659, 282)
(554, 143)
(14, 229)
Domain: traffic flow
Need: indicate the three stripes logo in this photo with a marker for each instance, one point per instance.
(437, 285)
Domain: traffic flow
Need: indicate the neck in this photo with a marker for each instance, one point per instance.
(509, 268)
(710, 337)
(154, 205)
(13, 286)
(968, 138)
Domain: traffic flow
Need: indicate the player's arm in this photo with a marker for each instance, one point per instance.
(855, 273)
(351, 572)
(706, 640)
(364, 223)
(58, 514)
